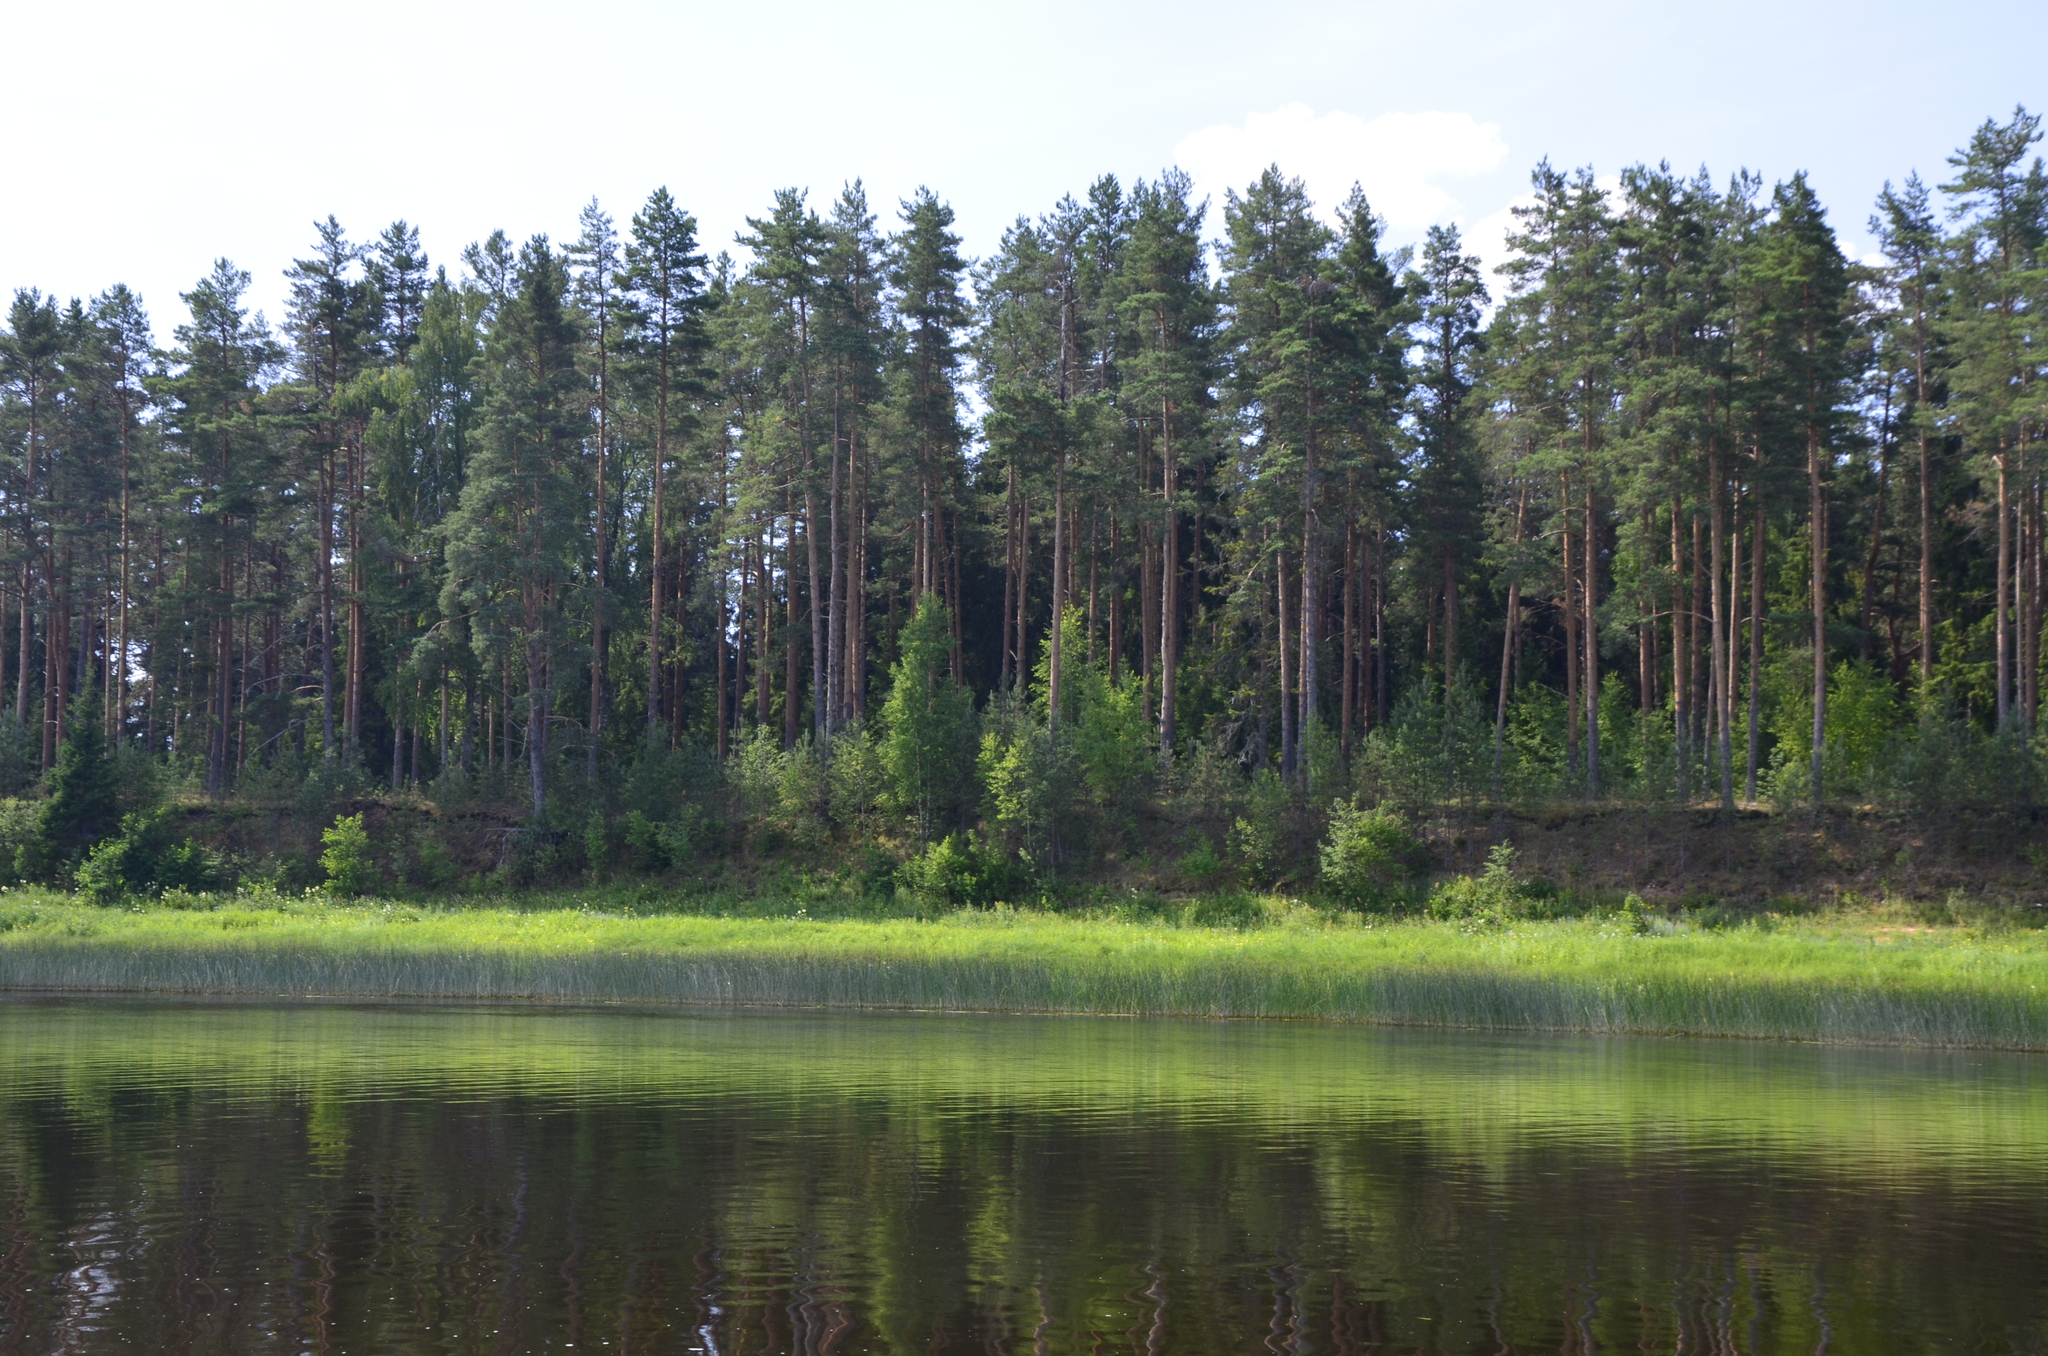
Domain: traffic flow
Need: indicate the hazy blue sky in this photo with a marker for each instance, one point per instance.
(160, 136)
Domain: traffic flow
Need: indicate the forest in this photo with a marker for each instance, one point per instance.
(1170, 530)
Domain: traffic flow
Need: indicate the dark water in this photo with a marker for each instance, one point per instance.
(186, 1177)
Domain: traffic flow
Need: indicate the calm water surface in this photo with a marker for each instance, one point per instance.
(269, 1178)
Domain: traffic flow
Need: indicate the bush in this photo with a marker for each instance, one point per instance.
(1370, 856)
(20, 822)
(659, 846)
(1495, 894)
(782, 792)
(1202, 864)
(147, 859)
(347, 857)
(946, 875)
(928, 738)
(1034, 790)
(83, 808)
(856, 782)
(1259, 838)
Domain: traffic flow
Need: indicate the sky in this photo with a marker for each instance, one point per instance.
(162, 136)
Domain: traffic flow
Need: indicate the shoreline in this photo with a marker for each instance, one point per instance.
(1821, 983)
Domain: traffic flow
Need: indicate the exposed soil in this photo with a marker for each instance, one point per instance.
(1758, 858)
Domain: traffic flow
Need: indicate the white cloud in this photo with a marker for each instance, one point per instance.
(1398, 157)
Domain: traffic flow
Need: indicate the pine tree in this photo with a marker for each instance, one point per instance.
(1273, 254)
(665, 281)
(2000, 288)
(29, 363)
(789, 259)
(1169, 311)
(228, 446)
(514, 540)
(332, 320)
(1805, 335)
(925, 276)
(122, 333)
(1449, 293)
(1910, 239)
(596, 254)
(851, 341)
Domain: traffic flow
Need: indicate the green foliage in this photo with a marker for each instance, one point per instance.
(18, 763)
(1495, 895)
(1436, 748)
(856, 782)
(1113, 744)
(1261, 837)
(20, 829)
(1034, 789)
(1862, 720)
(346, 857)
(147, 859)
(83, 807)
(782, 792)
(656, 845)
(947, 874)
(1371, 857)
(1202, 863)
(663, 782)
(928, 723)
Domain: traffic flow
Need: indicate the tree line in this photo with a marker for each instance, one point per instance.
(1678, 500)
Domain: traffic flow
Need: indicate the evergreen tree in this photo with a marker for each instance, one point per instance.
(664, 278)
(2000, 287)
(1449, 292)
(226, 441)
(83, 806)
(514, 540)
(925, 276)
(1168, 310)
(1805, 339)
(30, 364)
(1910, 239)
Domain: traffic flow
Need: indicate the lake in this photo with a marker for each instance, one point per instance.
(229, 1177)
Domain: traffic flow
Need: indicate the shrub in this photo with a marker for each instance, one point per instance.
(1202, 863)
(83, 807)
(1231, 909)
(655, 846)
(781, 791)
(1635, 914)
(856, 782)
(928, 739)
(347, 857)
(1259, 836)
(1034, 790)
(146, 858)
(1495, 894)
(19, 824)
(1370, 856)
(946, 875)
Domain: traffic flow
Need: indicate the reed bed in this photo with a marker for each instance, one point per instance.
(1811, 981)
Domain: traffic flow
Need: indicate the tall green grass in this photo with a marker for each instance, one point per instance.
(1805, 981)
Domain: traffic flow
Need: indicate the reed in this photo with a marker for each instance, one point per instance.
(1820, 981)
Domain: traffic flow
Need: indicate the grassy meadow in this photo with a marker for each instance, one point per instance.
(1849, 977)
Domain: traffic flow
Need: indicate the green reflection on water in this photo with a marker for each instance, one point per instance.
(264, 1177)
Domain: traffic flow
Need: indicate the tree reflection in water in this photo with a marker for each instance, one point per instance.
(252, 1178)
